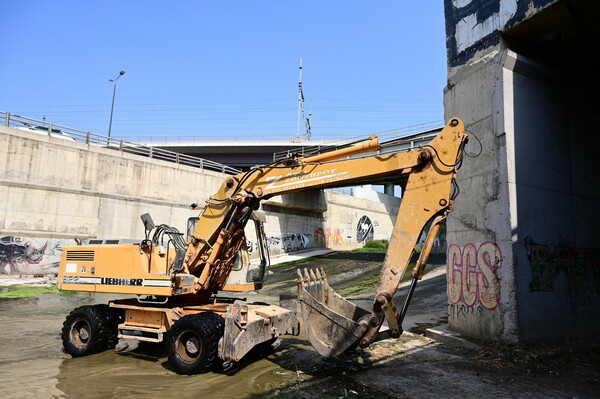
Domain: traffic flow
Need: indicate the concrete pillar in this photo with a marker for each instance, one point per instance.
(481, 290)
(388, 188)
(522, 261)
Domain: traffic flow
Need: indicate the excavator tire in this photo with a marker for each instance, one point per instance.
(192, 343)
(113, 317)
(220, 322)
(88, 330)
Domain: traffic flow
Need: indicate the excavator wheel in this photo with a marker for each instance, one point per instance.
(113, 316)
(88, 330)
(193, 343)
(219, 320)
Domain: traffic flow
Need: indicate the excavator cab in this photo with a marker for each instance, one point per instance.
(244, 270)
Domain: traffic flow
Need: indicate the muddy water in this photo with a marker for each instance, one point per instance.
(32, 363)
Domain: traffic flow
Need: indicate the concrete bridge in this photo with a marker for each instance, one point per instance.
(245, 153)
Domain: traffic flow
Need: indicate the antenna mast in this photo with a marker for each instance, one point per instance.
(301, 117)
(300, 100)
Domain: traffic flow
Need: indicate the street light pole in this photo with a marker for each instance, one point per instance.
(112, 107)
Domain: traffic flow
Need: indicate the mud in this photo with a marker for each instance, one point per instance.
(32, 363)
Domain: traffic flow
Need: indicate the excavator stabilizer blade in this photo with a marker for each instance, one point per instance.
(331, 322)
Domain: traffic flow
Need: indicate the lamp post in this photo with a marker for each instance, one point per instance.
(112, 107)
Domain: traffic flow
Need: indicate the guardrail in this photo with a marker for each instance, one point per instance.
(340, 190)
(67, 133)
(401, 144)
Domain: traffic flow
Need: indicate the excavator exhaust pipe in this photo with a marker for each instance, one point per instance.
(332, 324)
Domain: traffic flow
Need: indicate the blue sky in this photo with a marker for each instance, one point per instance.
(219, 69)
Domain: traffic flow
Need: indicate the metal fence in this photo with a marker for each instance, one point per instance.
(70, 134)
(404, 143)
(341, 190)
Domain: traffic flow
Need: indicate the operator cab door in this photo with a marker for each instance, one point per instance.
(248, 272)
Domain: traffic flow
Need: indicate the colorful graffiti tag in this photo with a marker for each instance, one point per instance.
(334, 237)
(472, 277)
(319, 236)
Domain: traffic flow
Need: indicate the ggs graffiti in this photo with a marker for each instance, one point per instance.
(472, 277)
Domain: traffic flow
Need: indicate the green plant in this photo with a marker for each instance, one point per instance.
(381, 244)
(21, 291)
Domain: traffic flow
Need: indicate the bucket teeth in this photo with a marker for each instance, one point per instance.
(314, 283)
(310, 277)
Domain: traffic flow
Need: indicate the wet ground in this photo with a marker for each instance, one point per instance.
(32, 363)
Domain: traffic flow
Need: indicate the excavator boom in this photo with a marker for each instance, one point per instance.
(333, 324)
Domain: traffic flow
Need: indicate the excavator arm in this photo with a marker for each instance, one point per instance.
(333, 324)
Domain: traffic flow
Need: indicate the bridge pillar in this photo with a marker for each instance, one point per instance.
(523, 252)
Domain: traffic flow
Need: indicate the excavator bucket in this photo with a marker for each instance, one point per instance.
(331, 322)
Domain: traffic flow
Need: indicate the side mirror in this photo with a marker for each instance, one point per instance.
(191, 226)
(147, 221)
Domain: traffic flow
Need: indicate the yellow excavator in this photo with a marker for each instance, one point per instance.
(177, 284)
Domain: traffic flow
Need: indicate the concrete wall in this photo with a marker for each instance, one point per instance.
(55, 188)
(556, 192)
(355, 220)
(523, 255)
(317, 218)
(52, 191)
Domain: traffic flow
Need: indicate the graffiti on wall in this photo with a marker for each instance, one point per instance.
(295, 242)
(472, 275)
(319, 236)
(334, 237)
(284, 243)
(472, 25)
(580, 267)
(462, 312)
(364, 229)
(19, 255)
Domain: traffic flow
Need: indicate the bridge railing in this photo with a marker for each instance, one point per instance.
(403, 143)
(66, 133)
